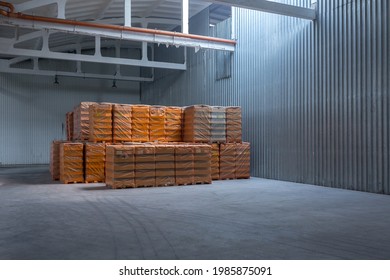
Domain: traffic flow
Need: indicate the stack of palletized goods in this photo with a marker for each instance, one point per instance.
(233, 125)
(69, 126)
(100, 119)
(145, 166)
(173, 124)
(95, 154)
(71, 163)
(197, 124)
(165, 165)
(140, 123)
(121, 121)
(157, 123)
(55, 159)
(81, 121)
(120, 166)
(227, 158)
(215, 161)
(243, 158)
(202, 164)
(184, 165)
(218, 124)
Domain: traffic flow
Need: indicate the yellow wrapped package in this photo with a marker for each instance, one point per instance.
(121, 121)
(120, 166)
(157, 123)
(140, 123)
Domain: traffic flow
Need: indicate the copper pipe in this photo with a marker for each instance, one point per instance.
(12, 14)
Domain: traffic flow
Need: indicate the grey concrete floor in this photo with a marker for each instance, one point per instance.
(238, 219)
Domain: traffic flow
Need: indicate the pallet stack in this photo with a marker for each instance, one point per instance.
(69, 126)
(184, 165)
(81, 121)
(197, 124)
(95, 157)
(145, 166)
(165, 165)
(55, 160)
(121, 122)
(227, 159)
(242, 168)
(140, 123)
(100, 118)
(215, 161)
(71, 163)
(173, 124)
(157, 123)
(233, 125)
(120, 166)
(202, 164)
(218, 124)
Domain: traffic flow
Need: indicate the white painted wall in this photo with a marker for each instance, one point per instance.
(32, 111)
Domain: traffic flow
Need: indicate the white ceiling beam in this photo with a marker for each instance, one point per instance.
(93, 58)
(272, 7)
(73, 74)
(121, 35)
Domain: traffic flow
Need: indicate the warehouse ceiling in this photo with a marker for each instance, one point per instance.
(40, 36)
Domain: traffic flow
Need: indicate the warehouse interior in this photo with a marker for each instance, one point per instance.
(311, 79)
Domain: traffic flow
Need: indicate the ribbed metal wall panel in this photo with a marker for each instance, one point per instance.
(315, 95)
(32, 111)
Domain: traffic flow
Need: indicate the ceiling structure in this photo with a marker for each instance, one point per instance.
(79, 31)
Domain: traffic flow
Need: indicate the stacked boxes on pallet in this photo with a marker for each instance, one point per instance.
(140, 123)
(120, 166)
(165, 165)
(100, 118)
(184, 165)
(242, 161)
(227, 159)
(197, 124)
(157, 123)
(202, 164)
(69, 126)
(95, 154)
(55, 159)
(71, 162)
(145, 166)
(81, 121)
(218, 124)
(215, 161)
(173, 124)
(121, 122)
(233, 125)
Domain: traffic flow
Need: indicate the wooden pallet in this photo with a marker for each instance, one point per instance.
(72, 182)
(202, 183)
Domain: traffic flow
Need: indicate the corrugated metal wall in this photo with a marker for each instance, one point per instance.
(315, 95)
(32, 111)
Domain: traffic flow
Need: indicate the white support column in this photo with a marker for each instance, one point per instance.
(185, 16)
(127, 12)
(98, 46)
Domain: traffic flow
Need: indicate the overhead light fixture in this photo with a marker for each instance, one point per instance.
(56, 80)
(114, 84)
